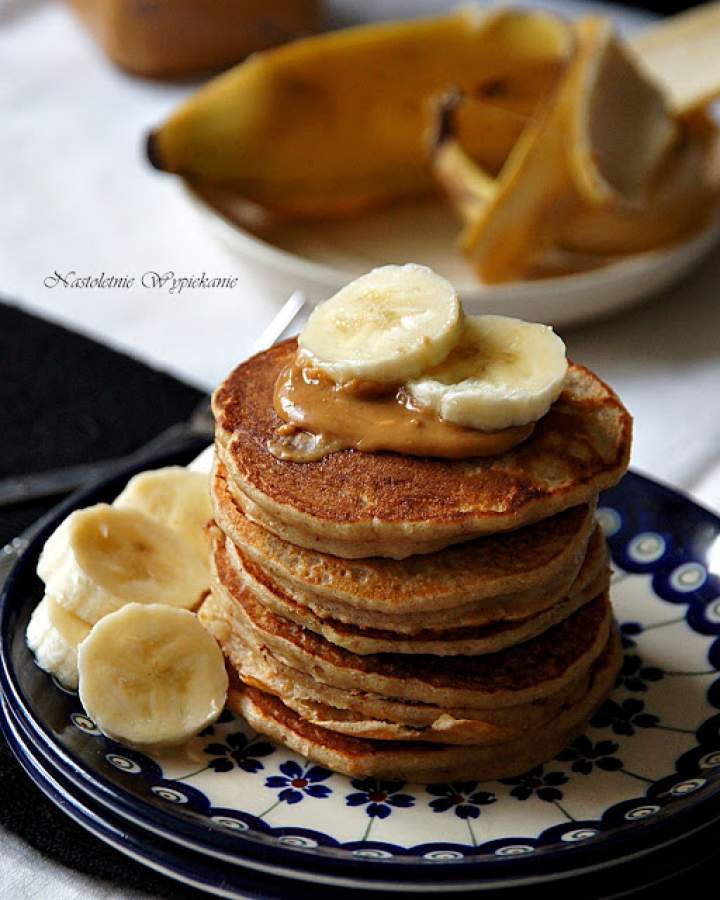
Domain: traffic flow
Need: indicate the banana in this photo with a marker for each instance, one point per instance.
(102, 557)
(54, 634)
(504, 236)
(503, 372)
(386, 326)
(151, 675)
(175, 496)
(335, 123)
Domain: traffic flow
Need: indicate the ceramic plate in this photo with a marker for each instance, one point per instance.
(161, 856)
(227, 880)
(645, 773)
(320, 258)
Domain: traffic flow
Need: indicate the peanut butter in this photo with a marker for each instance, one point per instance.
(322, 417)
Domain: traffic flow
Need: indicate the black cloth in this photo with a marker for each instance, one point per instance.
(65, 399)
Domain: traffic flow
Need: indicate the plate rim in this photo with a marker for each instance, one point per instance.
(61, 795)
(294, 265)
(44, 774)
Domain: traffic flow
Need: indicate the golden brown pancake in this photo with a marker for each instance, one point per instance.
(355, 504)
(540, 559)
(493, 635)
(259, 668)
(445, 730)
(425, 761)
(518, 674)
(373, 716)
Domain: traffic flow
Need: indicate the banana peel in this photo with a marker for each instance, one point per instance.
(533, 197)
(621, 127)
(468, 185)
(682, 53)
(683, 196)
(543, 215)
(335, 123)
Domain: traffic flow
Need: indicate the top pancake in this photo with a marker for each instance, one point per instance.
(355, 504)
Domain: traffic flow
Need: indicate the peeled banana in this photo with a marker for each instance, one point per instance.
(151, 675)
(386, 326)
(503, 372)
(403, 325)
(54, 634)
(115, 618)
(102, 557)
(336, 123)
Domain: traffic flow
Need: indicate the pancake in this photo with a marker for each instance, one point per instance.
(532, 561)
(491, 636)
(445, 730)
(354, 504)
(515, 675)
(424, 761)
(369, 715)
(259, 668)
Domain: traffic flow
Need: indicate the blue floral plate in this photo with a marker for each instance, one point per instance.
(646, 772)
(226, 880)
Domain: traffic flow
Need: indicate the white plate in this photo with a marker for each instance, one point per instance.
(320, 257)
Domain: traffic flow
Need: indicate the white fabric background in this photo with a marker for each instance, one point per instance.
(77, 193)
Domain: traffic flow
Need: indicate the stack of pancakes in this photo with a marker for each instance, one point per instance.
(411, 617)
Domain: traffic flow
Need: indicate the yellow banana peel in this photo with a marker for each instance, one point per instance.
(336, 123)
(555, 207)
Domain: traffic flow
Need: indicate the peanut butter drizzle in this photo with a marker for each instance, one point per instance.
(322, 417)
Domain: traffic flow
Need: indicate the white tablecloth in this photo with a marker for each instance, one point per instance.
(77, 195)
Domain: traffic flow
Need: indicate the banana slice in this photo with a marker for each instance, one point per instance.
(503, 372)
(54, 634)
(151, 675)
(176, 497)
(386, 326)
(102, 557)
